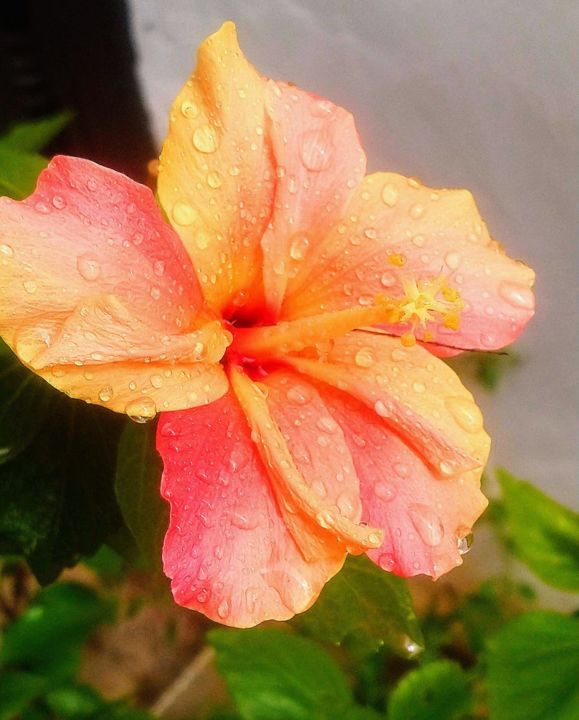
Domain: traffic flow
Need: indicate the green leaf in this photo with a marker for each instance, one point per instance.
(74, 701)
(57, 468)
(19, 171)
(541, 532)
(533, 666)
(436, 691)
(33, 136)
(273, 675)
(368, 604)
(17, 691)
(137, 483)
(46, 638)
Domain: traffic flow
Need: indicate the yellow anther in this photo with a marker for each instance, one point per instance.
(408, 339)
(429, 301)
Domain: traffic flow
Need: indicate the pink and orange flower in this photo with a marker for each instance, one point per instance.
(285, 320)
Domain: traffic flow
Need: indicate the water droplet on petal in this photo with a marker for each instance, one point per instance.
(381, 409)
(386, 562)
(416, 211)
(427, 523)
(385, 491)
(105, 393)
(388, 279)
(205, 139)
(465, 412)
(299, 247)
(517, 295)
(214, 180)
(464, 544)
(452, 260)
(59, 202)
(189, 109)
(390, 195)
(141, 410)
(315, 150)
(223, 609)
(298, 395)
(88, 267)
(327, 424)
(30, 286)
(6, 250)
(364, 358)
(183, 214)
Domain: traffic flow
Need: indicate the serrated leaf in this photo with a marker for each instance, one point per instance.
(56, 472)
(17, 691)
(34, 135)
(541, 532)
(273, 675)
(365, 602)
(435, 691)
(533, 666)
(137, 484)
(46, 638)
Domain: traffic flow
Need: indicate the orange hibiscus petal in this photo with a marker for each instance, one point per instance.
(321, 526)
(90, 275)
(416, 395)
(319, 165)
(395, 230)
(228, 551)
(425, 518)
(216, 178)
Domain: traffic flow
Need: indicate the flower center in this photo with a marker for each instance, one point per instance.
(423, 303)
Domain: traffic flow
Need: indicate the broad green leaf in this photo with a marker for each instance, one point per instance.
(46, 638)
(34, 135)
(435, 691)
(533, 668)
(138, 479)
(368, 604)
(57, 462)
(17, 691)
(273, 675)
(541, 532)
(19, 172)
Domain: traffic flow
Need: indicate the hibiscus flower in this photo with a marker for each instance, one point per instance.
(284, 319)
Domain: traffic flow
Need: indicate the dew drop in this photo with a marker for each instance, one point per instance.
(381, 409)
(214, 180)
(416, 211)
(202, 240)
(205, 139)
(6, 250)
(183, 214)
(141, 410)
(244, 521)
(386, 562)
(418, 387)
(466, 413)
(105, 393)
(189, 109)
(298, 395)
(427, 523)
(364, 358)
(30, 286)
(299, 247)
(156, 381)
(223, 609)
(159, 268)
(59, 202)
(88, 267)
(517, 295)
(390, 195)
(387, 279)
(327, 424)
(315, 151)
(464, 544)
(452, 260)
(385, 491)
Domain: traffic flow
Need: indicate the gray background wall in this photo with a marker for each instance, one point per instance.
(458, 93)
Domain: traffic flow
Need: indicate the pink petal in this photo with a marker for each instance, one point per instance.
(319, 165)
(395, 229)
(228, 551)
(90, 275)
(414, 394)
(424, 517)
